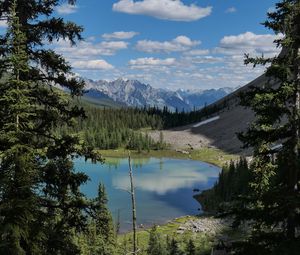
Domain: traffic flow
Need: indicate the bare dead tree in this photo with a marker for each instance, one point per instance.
(134, 226)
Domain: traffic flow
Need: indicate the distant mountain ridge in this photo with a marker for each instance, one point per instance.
(137, 94)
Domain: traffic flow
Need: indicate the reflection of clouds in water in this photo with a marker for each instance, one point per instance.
(165, 181)
(164, 186)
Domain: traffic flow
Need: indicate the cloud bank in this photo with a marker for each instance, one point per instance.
(180, 43)
(174, 10)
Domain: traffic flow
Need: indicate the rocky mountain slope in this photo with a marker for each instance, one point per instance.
(220, 133)
(135, 93)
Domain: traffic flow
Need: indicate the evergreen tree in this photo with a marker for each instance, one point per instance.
(273, 200)
(41, 205)
(102, 216)
(18, 202)
(155, 246)
(174, 248)
(233, 183)
(191, 248)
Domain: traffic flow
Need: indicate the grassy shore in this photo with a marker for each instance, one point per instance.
(203, 242)
(209, 155)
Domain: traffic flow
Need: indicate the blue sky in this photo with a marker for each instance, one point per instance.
(171, 44)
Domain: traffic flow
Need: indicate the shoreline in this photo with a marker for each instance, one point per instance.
(177, 221)
(211, 156)
(203, 229)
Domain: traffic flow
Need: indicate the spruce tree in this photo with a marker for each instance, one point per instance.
(41, 205)
(173, 248)
(155, 246)
(18, 176)
(102, 216)
(273, 201)
(190, 248)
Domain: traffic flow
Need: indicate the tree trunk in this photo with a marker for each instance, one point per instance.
(134, 227)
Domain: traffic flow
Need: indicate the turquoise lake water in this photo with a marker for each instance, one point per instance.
(164, 187)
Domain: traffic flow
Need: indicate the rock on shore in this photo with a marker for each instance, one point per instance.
(208, 225)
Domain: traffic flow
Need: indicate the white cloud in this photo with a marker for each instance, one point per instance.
(207, 68)
(180, 43)
(196, 52)
(141, 63)
(248, 43)
(202, 68)
(3, 23)
(184, 40)
(201, 76)
(85, 56)
(120, 35)
(174, 10)
(231, 10)
(112, 46)
(205, 59)
(66, 9)
(99, 64)
(88, 49)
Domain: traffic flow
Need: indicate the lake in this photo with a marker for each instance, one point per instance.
(164, 187)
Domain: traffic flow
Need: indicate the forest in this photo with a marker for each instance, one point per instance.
(113, 128)
(110, 128)
(232, 183)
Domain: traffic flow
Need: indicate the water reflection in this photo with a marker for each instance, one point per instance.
(114, 163)
(164, 187)
(161, 182)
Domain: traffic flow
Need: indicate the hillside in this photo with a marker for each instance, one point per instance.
(101, 102)
(220, 133)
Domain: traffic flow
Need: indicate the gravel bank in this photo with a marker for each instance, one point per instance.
(208, 225)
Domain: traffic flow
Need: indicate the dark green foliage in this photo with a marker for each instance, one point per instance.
(18, 202)
(155, 245)
(102, 217)
(63, 206)
(41, 206)
(190, 248)
(109, 128)
(92, 243)
(169, 119)
(233, 182)
(115, 128)
(99, 237)
(273, 201)
(158, 245)
(173, 248)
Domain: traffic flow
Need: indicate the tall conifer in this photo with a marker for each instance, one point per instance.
(18, 201)
(273, 202)
(102, 216)
(40, 203)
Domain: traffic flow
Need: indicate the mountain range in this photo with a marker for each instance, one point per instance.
(137, 94)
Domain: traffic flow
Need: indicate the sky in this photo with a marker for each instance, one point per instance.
(173, 44)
